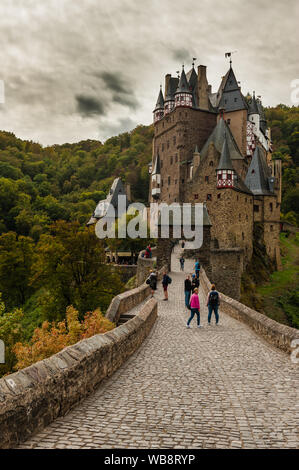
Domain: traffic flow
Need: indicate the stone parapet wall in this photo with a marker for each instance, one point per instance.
(34, 397)
(124, 302)
(280, 336)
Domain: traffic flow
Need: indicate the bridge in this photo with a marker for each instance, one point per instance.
(214, 387)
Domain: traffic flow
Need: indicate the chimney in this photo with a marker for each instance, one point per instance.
(203, 88)
(167, 80)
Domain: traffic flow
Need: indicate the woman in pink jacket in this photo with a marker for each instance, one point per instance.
(195, 308)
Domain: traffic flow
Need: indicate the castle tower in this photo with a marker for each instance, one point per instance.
(225, 172)
(253, 113)
(235, 107)
(183, 94)
(159, 109)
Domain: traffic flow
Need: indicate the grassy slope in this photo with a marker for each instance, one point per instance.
(279, 296)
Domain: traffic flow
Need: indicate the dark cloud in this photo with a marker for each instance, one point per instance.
(89, 105)
(76, 70)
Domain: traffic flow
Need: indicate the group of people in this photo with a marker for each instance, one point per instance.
(152, 281)
(191, 293)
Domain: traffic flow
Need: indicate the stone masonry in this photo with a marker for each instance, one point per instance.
(214, 387)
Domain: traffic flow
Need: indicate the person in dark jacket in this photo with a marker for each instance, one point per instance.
(195, 283)
(152, 281)
(213, 302)
(188, 289)
(165, 282)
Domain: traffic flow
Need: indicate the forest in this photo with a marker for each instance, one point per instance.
(50, 262)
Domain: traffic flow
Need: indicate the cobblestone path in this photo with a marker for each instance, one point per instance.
(214, 387)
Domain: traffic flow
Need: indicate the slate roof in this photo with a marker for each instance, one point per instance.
(160, 100)
(183, 86)
(253, 107)
(225, 162)
(157, 166)
(217, 137)
(259, 174)
(172, 86)
(116, 189)
(231, 98)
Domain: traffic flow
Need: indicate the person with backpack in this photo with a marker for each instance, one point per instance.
(166, 280)
(213, 303)
(188, 290)
(182, 263)
(197, 269)
(152, 281)
(195, 283)
(195, 308)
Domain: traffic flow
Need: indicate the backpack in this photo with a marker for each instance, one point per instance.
(213, 300)
(169, 280)
(148, 281)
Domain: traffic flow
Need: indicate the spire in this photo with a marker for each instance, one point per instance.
(160, 100)
(258, 175)
(230, 96)
(225, 162)
(253, 107)
(183, 86)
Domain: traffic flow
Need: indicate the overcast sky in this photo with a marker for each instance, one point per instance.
(80, 69)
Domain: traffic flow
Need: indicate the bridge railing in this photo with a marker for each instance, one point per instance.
(281, 336)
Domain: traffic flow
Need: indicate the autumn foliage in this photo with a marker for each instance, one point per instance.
(52, 338)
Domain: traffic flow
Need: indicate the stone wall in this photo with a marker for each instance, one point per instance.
(34, 397)
(124, 302)
(226, 270)
(280, 336)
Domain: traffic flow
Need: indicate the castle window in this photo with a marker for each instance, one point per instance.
(228, 121)
(206, 179)
(162, 183)
(174, 140)
(176, 182)
(271, 207)
(168, 180)
(243, 237)
(195, 196)
(237, 198)
(247, 218)
(236, 99)
(239, 216)
(256, 208)
(209, 197)
(225, 101)
(211, 163)
(252, 172)
(183, 181)
(171, 160)
(219, 196)
(271, 228)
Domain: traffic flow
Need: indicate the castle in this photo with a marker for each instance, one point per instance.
(215, 148)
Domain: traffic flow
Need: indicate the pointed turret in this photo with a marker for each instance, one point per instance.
(183, 94)
(253, 107)
(231, 98)
(258, 178)
(225, 170)
(159, 109)
(263, 122)
(169, 98)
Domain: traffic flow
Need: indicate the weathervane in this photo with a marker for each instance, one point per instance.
(229, 54)
(193, 63)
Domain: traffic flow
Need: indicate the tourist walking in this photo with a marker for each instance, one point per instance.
(188, 290)
(195, 308)
(152, 281)
(148, 252)
(194, 283)
(213, 303)
(182, 263)
(197, 268)
(166, 280)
